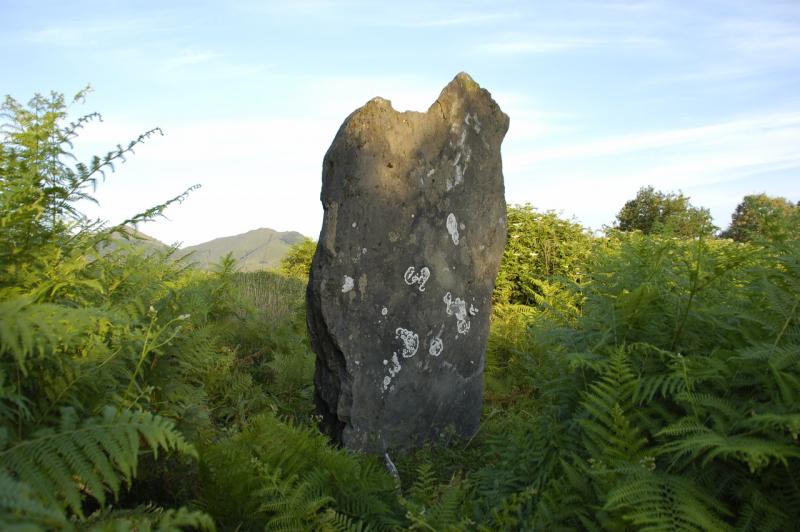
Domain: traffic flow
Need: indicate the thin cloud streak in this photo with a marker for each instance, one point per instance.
(663, 139)
(189, 57)
(461, 20)
(561, 44)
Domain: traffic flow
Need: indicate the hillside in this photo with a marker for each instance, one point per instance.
(136, 238)
(259, 249)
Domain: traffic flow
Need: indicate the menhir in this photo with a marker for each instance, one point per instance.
(400, 291)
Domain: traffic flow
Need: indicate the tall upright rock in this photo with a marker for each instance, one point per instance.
(400, 291)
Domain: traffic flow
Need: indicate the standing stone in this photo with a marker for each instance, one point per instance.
(400, 290)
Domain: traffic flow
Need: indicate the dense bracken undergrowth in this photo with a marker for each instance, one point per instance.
(632, 381)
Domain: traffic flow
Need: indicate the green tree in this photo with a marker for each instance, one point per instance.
(297, 263)
(653, 211)
(761, 217)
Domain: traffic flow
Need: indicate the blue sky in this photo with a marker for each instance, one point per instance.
(604, 96)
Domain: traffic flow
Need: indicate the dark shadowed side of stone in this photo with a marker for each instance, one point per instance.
(399, 295)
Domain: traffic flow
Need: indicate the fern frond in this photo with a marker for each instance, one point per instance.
(781, 422)
(90, 458)
(708, 444)
(18, 506)
(657, 501)
(444, 509)
(292, 504)
(30, 329)
(148, 518)
(665, 384)
(423, 489)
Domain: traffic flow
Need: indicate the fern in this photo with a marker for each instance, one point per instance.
(148, 518)
(292, 504)
(272, 455)
(19, 505)
(89, 458)
(707, 444)
(434, 506)
(657, 501)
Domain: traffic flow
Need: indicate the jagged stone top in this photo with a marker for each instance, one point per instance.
(461, 87)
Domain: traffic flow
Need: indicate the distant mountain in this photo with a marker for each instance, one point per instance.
(133, 237)
(259, 249)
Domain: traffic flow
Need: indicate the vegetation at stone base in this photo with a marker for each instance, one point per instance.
(633, 381)
(653, 211)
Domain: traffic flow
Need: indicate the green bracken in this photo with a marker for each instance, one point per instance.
(633, 380)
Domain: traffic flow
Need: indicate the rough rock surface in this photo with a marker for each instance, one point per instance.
(399, 295)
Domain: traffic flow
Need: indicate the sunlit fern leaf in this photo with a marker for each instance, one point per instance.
(657, 501)
(28, 329)
(89, 458)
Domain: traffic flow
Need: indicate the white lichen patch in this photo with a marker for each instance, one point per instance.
(463, 153)
(412, 277)
(393, 371)
(355, 224)
(410, 341)
(452, 227)
(473, 310)
(396, 367)
(384, 311)
(472, 119)
(436, 346)
(347, 284)
(457, 307)
(461, 161)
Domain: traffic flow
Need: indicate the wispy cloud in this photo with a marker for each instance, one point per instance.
(68, 36)
(590, 178)
(760, 36)
(534, 46)
(460, 20)
(97, 31)
(190, 57)
(544, 45)
(713, 133)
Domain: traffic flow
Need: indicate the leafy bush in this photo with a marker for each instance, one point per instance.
(653, 212)
(543, 253)
(297, 262)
